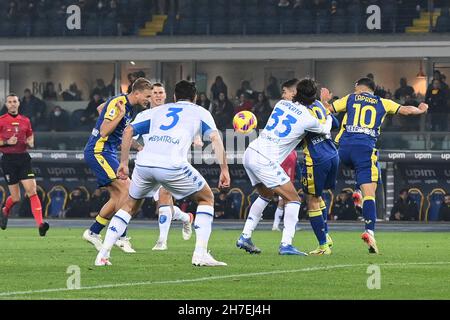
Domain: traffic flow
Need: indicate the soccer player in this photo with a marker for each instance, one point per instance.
(320, 165)
(16, 136)
(288, 124)
(100, 154)
(364, 114)
(157, 99)
(163, 161)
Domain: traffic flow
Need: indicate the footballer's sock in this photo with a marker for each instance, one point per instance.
(291, 210)
(318, 225)
(165, 219)
(277, 217)
(369, 213)
(9, 203)
(255, 214)
(99, 224)
(323, 207)
(203, 225)
(36, 209)
(124, 234)
(116, 228)
(180, 215)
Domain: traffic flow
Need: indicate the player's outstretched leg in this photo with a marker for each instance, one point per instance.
(370, 216)
(278, 215)
(203, 225)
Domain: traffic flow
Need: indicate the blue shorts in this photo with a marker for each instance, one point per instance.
(104, 166)
(319, 177)
(364, 160)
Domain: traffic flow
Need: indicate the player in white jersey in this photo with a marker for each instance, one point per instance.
(288, 124)
(171, 129)
(165, 215)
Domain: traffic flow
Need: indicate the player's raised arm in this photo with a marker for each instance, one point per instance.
(411, 110)
(113, 115)
(312, 124)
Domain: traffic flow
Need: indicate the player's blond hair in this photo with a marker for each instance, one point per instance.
(141, 84)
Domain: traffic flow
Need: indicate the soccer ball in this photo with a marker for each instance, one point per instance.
(244, 122)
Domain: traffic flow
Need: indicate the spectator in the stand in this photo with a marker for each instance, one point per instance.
(50, 93)
(203, 101)
(217, 87)
(246, 89)
(273, 89)
(262, 110)
(379, 91)
(32, 107)
(444, 211)
(72, 94)
(404, 208)
(58, 119)
(221, 205)
(131, 78)
(101, 89)
(78, 206)
(344, 207)
(223, 111)
(404, 90)
(436, 97)
(90, 114)
(244, 103)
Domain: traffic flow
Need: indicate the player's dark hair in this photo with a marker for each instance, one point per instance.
(185, 90)
(12, 94)
(289, 83)
(141, 84)
(306, 92)
(369, 83)
(157, 84)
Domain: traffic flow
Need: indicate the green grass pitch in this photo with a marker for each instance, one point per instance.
(412, 266)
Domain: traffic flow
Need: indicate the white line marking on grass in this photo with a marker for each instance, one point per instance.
(242, 275)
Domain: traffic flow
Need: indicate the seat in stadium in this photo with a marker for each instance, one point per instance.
(84, 192)
(56, 202)
(328, 198)
(435, 199)
(417, 196)
(237, 199)
(338, 22)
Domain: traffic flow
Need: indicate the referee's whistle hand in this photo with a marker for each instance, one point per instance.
(12, 140)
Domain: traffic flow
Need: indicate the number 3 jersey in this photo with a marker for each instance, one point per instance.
(168, 132)
(365, 113)
(287, 126)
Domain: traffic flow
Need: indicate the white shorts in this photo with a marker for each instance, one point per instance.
(262, 170)
(181, 183)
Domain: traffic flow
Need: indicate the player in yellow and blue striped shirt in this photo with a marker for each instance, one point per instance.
(364, 114)
(100, 155)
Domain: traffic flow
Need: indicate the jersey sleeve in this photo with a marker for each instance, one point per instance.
(111, 110)
(137, 120)
(141, 125)
(340, 105)
(390, 106)
(207, 123)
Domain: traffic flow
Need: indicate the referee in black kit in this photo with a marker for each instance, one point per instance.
(16, 136)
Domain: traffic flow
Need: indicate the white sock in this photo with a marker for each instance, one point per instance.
(277, 218)
(203, 226)
(290, 221)
(165, 219)
(180, 215)
(115, 230)
(255, 214)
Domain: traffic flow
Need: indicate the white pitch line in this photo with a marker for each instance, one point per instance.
(242, 275)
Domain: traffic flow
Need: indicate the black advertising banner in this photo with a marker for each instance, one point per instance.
(424, 176)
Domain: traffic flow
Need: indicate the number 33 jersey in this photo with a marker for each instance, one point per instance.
(365, 113)
(168, 132)
(286, 127)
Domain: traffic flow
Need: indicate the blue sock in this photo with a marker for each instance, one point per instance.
(318, 225)
(325, 217)
(98, 225)
(369, 213)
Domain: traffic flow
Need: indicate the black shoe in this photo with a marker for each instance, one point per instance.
(43, 229)
(3, 221)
